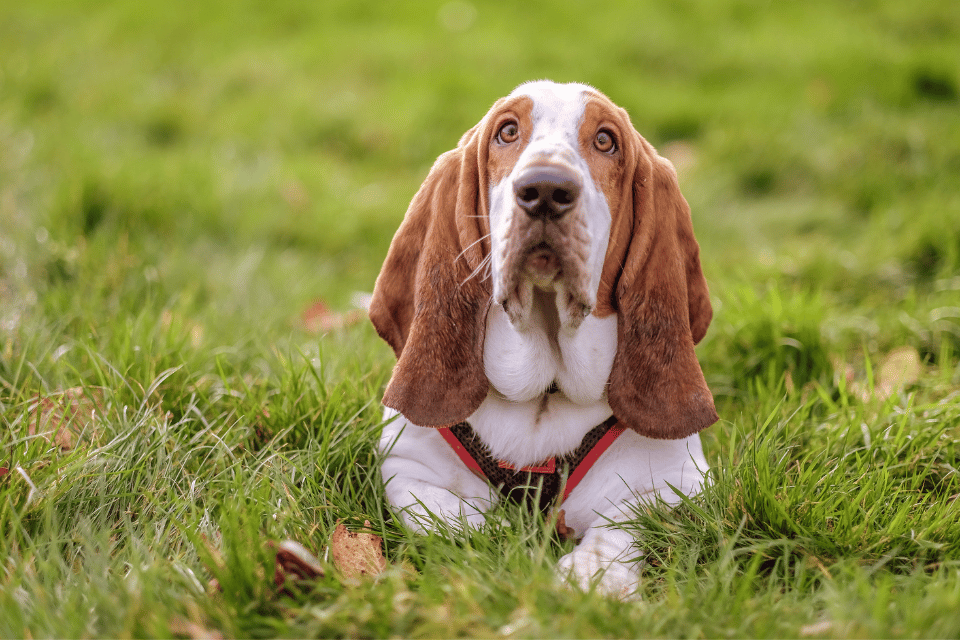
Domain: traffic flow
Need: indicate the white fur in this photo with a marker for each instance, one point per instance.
(523, 425)
(521, 365)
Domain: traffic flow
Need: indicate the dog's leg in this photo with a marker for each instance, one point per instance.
(634, 472)
(426, 480)
(606, 559)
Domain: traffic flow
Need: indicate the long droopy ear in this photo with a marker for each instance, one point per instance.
(656, 386)
(430, 300)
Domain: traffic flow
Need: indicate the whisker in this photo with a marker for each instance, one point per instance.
(483, 266)
(470, 246)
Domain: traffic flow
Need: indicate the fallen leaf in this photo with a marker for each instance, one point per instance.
(565, 532)
(62, 417)
(901, 368)
(357, 553)
(319, 318)
(294, 564)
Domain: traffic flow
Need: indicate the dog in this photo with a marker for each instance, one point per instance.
(543, 296)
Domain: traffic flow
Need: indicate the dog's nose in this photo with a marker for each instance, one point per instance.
(547, 191)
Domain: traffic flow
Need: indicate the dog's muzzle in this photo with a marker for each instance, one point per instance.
(546, 244)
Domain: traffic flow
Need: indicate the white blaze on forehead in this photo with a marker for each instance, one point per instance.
(557, 111)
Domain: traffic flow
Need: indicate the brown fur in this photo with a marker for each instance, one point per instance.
(663, 310)
(430, 302)
(431, 298)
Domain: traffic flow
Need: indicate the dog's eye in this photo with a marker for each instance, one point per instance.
(604, 142)
(508, 133)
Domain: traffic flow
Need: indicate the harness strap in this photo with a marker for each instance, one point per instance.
(577, 473)
(520, 485)
(461, 451)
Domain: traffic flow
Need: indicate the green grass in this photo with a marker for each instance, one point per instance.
(178, 183)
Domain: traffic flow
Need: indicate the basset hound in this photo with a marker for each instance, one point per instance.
(543, 296)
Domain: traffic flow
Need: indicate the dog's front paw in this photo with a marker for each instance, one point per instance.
(595, 565)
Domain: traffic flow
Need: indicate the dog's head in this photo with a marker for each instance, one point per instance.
(553, 189)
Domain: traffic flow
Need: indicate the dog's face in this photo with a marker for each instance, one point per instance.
(555, 168)
(552, 190)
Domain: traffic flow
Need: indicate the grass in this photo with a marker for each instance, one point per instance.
(179, 183)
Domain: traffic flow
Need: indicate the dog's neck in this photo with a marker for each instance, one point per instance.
(523, 367)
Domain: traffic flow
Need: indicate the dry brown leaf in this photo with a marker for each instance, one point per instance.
(319, 318)
(901, 368)
(357, 553)
(295, 564)
(61, 417)
(565, 532)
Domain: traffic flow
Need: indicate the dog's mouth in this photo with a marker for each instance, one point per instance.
(542, 265)
(547, 265)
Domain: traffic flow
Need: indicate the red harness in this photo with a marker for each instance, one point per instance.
(547, 477)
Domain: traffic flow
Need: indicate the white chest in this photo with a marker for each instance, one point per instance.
(519, 420)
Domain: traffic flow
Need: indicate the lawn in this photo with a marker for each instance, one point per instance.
(191, 195)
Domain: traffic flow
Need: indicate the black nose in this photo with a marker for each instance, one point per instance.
(546, 192)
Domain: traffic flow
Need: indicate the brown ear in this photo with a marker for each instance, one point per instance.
(656, 385)
(430, 301)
